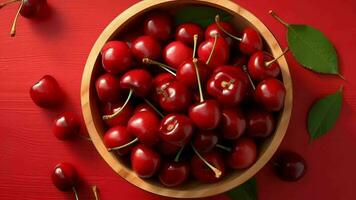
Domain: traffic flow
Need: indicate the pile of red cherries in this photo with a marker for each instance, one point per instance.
(184, 102)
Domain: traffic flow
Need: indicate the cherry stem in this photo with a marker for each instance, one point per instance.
(274, 15)
(212, 50)
(95, 191)
(75, 193)
(176, 159)
(107, 117)
(215, 170)
(161, 65)
(3, 4)
(13, 27)
(153, 107)
(124, 146)
(249, 77)
(217, 21)
(195, 45)
(201, 96)
(342, 77)
(223, 147)
(278, 57)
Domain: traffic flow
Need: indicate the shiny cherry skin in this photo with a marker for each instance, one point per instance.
(176, 52)
(159, 25)
(46, 93)
(142, 108)
(118, 136)
(185, 33)
(116, 57)
(213, 29)
(257, 66)
(220, 55)
(228, 86)
(146, 47)
(168, 149)
(205, 115)
(145, 161)
(205, 141)
(251, 41)
(145, 126)
(186, 73)
(31, 8)
(173, 174)
(160, 82)
(66, 126)
(233, 124)
(260, 124)
(138, 80)
(64, 176)
(270, 93)
(290, 166)
(176, 129)
(120, 119)
(108, 87)
(202, 172)
(174, 97)
(243, 154)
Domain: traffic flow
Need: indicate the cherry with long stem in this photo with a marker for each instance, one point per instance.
(216, 171)
(268, 63)
(161, 65)
(108, 117)
(217, 21)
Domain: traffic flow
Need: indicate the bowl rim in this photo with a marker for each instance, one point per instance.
(209, 189)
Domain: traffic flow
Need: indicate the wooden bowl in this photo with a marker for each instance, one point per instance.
(95, 126)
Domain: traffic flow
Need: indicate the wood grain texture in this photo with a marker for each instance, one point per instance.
(60, 46)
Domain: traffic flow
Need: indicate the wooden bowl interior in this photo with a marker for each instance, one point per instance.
(96, 127)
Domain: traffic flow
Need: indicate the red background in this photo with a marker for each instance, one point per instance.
(60, 45)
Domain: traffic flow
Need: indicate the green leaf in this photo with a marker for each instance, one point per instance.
(204, 16)
(246, 191)
(324, 114)
(312, 49)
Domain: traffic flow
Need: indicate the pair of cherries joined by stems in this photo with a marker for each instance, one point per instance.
(28, 8)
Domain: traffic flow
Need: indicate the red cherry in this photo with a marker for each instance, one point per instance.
(186, 73)
(144, 125)
(162, 79)
(167, 148)
(250, 41)
(258, 69)
(158, 25)
(185, 33)
(270, 93)
(205, 115)
(173, 174)
(290, 166)
(31, 8)
(260, 124)
(108, 88)
(66, 126)
(143, 107)
(176, 129)
(228, 85)
(118, 136)
(202, 172)
(205, 141)
(46, 93)
(219, 56)
(146, 47)
(174, 97)
(123, 118)
(175, 53)
(138, 80)
(233, 124)
(145, 161)
(243, 155)
(116, 57)
(214, 29)
(64, 176)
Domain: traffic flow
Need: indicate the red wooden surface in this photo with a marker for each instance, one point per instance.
(59, 46)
